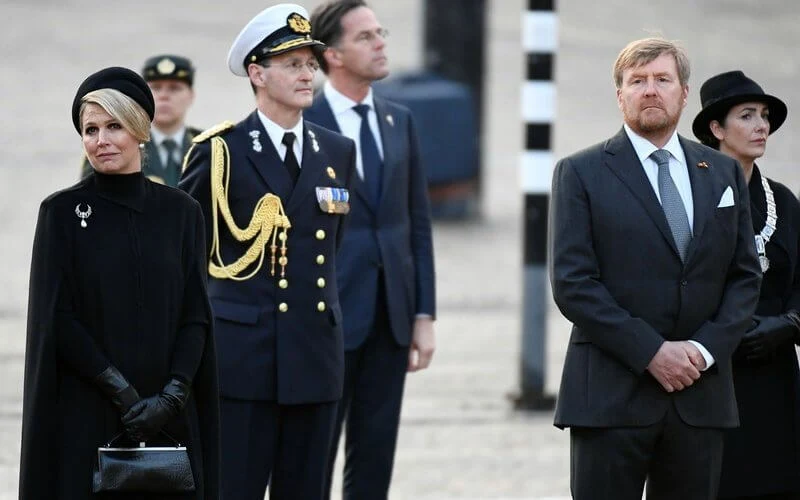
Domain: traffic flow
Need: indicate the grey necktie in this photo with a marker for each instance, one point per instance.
(671, 202)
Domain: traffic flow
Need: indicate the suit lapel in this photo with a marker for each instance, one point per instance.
(386, 124)
(703, 192)
(622, 160)
(311, 169)
(322, 114)
(187, 142)
(267, 163)
(153, 159)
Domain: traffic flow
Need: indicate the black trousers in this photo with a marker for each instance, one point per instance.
(283, 446)
(678, 461)
(375, 375)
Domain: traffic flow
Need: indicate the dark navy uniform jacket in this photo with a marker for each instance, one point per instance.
(278, 340)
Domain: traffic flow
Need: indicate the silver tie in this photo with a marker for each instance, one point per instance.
(671, 202)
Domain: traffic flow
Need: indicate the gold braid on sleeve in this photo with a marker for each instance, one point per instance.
(268, 220)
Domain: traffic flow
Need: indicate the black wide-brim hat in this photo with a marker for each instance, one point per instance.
(122, 79)
(722, 92)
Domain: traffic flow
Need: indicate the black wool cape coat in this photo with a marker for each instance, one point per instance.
(129, 290)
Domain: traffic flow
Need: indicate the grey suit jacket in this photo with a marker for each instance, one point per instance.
(617, 276)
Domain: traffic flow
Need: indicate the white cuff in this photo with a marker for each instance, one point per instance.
(706, 355)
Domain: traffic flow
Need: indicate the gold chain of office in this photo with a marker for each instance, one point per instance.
(268, 222)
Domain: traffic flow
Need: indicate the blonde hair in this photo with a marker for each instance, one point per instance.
(641, 52)
(122, 108)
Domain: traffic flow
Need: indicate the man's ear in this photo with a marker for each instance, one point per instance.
(333, 58)
(255, 72)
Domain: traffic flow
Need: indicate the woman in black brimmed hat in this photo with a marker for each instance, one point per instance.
(762, 457)
(119, 325)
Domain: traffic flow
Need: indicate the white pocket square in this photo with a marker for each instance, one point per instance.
(727, 198)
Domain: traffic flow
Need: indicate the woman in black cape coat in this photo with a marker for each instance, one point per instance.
(762, 457)
(119, 326)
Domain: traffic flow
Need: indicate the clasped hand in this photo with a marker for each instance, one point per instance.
(767, 335)
(148, 416)
(676, 365)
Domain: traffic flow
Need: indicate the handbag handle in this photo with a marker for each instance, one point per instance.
(142, 443)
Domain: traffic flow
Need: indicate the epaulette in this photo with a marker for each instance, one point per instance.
(213, 131)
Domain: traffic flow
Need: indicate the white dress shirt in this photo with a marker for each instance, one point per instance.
(350, 122)
(680, 176)
(275, 133)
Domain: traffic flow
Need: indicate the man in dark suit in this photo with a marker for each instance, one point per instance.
(278, 322)
(385, 266)
(653, 261)
(171, 80)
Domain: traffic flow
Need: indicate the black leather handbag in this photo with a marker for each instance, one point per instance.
(164, 469)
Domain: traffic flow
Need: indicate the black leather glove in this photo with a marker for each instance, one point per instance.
(122, 394)
(771, 332)
(147, 417)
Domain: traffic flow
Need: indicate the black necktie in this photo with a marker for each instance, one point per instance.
(290, 160)
(170, 146)
(370, 158)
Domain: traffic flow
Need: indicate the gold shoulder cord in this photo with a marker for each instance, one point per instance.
(268, 219)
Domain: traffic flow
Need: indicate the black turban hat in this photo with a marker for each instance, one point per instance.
(122, 79)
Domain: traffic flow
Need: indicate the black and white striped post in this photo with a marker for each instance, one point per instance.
(539, 34)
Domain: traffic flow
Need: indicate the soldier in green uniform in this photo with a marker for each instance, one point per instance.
(170, 78)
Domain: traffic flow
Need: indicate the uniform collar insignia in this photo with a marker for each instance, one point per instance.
(255, 134)
(314, 143)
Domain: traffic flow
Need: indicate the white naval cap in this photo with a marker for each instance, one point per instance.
(274, 30)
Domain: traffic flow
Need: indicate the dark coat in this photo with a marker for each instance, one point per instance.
(394, 237)
(152, 167)
(763, 455)
(617, 276)
(294, 356)
(127, 290)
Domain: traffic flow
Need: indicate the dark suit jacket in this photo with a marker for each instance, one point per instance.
(617, 276)
(152, 167)
(394, 237)
(295, 356)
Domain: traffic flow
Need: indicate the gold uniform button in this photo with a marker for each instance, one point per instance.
(284, 283)
(321, 306)
(283, 307)
(320, 234)
(320, 259)
(321, 283)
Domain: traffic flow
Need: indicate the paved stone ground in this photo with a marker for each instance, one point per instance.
(459, 437)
